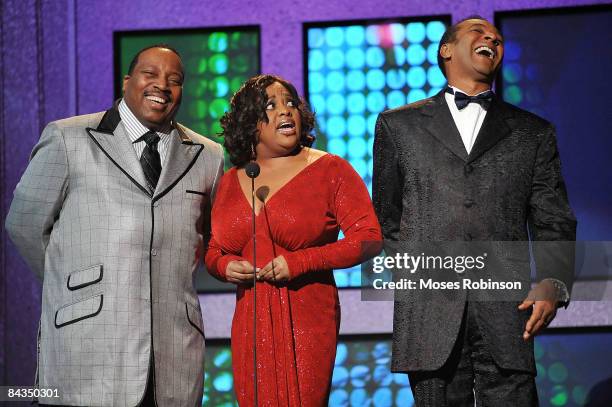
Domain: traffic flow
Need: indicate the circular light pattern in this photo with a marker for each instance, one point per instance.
(317, 104)
(416, 95)
(336, 127)
(334, 59)
(360, 165)
(435, 77)
(415, 32)
(375, 101)
(355, 35)
(335, 81)
(399, 55)
(396, 99)
(372, 36)
(355, 80)
(220, 86)
(396, 79)
(316, 82)
(371, 123)
(512, 73)
(432, 54)
(218, 64)
(334, 36)
(435, 30)
(356, 103)
(433, 92)
(375, 79)
(375, 57)
(397, 33)
(336, 104)
(337, 146)
(383, 397)
(416, 54)
(223, 382)
(513, 94)
(559, 396)
(416, 77)
(355, 58)
(217, 42)
(316, 60)
(357, 148)
(316, 38)
(356, 128)
(557, 372)
(338, 397)
(340, 377)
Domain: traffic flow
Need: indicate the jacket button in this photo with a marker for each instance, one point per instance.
(468, 203)
(156, 204)
(468, 169)
(468, 236)
(153, 252)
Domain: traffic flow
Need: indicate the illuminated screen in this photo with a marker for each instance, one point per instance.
(570, 366)
(217, 62)
(554, 66)
(354, 71)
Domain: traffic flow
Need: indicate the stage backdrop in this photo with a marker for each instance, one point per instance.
(57, 61)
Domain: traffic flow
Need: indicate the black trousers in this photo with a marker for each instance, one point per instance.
(471, 377)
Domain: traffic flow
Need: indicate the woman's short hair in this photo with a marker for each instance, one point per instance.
(247, 108)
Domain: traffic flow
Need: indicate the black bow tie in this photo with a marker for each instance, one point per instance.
(462, 100)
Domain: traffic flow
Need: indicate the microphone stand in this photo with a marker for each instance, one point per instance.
(252, 171)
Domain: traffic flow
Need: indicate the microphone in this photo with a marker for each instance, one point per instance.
(252, 171)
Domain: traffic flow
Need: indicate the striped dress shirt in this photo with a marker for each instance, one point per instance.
(135, 130)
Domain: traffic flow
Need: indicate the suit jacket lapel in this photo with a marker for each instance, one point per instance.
(182, 153)
(110, 136)
(494, 129)
(442, 126)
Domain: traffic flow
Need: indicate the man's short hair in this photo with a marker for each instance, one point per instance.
(164, 46)
(450, 35)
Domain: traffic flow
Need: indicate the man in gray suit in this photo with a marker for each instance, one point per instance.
(112, 213)
(466, 166)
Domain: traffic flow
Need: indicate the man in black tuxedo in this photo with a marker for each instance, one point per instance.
(460, 166)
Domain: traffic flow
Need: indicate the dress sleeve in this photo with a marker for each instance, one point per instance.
(217, 259)
(351, 205)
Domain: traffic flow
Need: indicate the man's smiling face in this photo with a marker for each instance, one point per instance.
(476, 53)
(154, 88)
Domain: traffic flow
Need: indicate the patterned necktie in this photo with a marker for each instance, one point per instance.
(462, 100)
(150, 160)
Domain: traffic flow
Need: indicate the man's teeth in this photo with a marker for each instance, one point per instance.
(485, 51)
(156, 99)
(286, 126)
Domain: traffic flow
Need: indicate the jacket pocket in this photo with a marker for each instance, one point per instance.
(83, 278)
(195, 318)
(192, 192)
(78, 311)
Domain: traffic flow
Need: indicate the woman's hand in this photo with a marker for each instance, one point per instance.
(276, 270)
(239, 272)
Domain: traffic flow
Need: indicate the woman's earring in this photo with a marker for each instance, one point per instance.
(253, 156)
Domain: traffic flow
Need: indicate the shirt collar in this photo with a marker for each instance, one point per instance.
(135, 129)
(455, 89)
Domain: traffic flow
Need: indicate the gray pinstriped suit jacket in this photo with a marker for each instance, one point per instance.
(116, 260)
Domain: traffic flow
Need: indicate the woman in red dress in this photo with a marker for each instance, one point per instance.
(304, 198)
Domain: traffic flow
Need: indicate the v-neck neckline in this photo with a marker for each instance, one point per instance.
(246, 198)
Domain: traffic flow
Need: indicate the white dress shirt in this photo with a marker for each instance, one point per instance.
(135, 130)
(468, 120)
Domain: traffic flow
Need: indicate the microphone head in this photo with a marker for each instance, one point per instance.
(252, 169)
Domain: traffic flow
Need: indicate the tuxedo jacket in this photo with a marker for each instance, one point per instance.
(117, 261)
(427, 188)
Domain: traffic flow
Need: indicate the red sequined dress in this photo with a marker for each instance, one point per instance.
(298, 321)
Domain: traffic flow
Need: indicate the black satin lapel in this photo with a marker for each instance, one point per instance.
(442, 126)
(494, 129)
